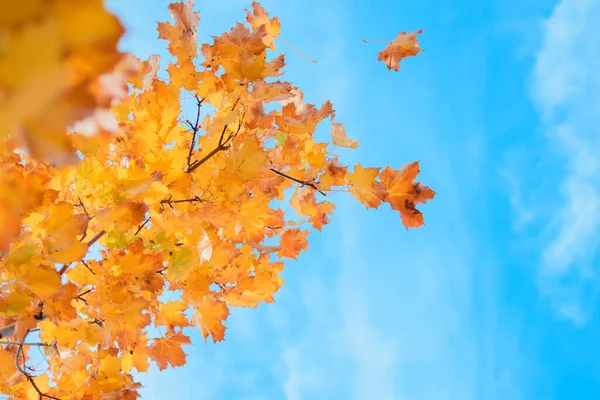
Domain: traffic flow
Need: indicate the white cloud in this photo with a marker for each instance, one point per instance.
(294, 377)
(524, 214)
(374, 354)
(566, 88)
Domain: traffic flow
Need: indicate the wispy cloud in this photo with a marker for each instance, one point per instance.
(373, 352)
(340, 346)
(566, 88)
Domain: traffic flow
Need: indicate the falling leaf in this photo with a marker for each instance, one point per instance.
(404, 45)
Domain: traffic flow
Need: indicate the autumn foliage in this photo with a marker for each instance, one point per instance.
(112, 197)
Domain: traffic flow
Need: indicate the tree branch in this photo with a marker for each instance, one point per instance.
(90, 244)
(303, 183)
(141, 226)
(78, 297)
(83, 236)
(223, 144)
(194, 130)
(88, 267)
(204, 159)
(24, 343)
(21, 368)
(170, 202)
(96, 238)
(8, 330)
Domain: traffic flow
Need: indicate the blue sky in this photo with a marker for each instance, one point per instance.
(495, 297)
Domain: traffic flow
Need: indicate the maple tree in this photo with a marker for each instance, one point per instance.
(96, 153)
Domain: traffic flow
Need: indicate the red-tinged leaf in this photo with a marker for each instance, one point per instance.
(403, 193)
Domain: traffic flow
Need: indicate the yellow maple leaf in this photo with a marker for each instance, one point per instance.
(365, 187)
(136, 358)
(181, 36)
(42, 280)
(171, 314)
(50, 85)
(208, 317)
(110, 376)
(75, 252)
(62, 227)
(258, 18)
(14, 304)
(8, 369)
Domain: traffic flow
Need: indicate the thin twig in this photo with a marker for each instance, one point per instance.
(13, 343)
(83, 207)
(195, 128)
(170, 202)
(83, 236)
(375, 41)
(88, 267)
(296, 50)
(303, 183)
(141, 226)
(96, 238)
(223, 144)
(204, 159)
(90, 244)
(83, 294)
(22, 369)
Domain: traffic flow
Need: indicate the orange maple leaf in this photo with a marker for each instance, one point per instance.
(259, 17)
(405, 45)
(122, 217)
(292, 243)
(403, 193)
(8, 371)
(182, 37)
(167, 350)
